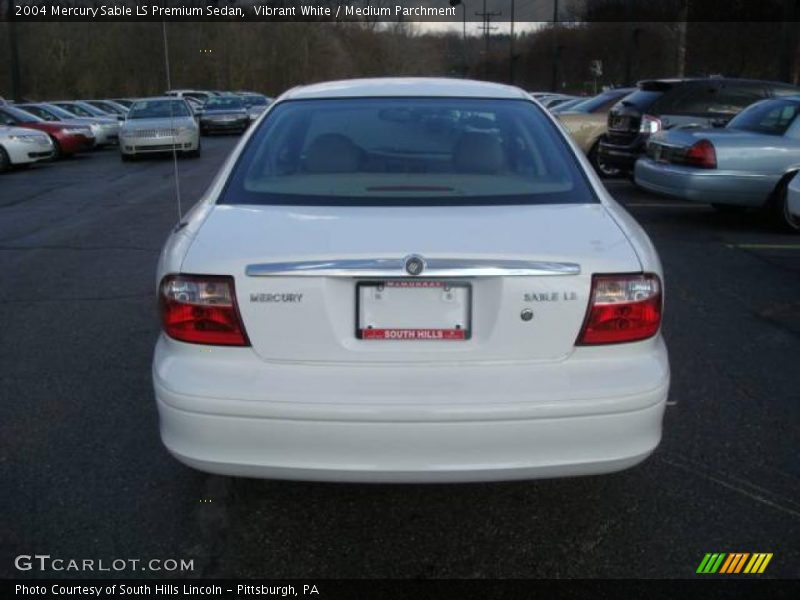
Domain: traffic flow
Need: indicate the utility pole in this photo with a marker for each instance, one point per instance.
(487, 28)
(463, 4)
(683, 26)
(556, 51)
(511, 48)
(787, 51)
(16, 90)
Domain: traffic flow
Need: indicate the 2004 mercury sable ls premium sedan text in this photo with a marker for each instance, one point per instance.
(409, 280)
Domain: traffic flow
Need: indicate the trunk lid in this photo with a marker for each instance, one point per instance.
(313, 318)
(731, 146)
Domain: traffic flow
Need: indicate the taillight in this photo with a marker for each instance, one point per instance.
(201, 309)
(701, 154)
(622, 308)
(650, 124)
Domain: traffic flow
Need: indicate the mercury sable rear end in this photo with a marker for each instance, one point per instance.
(409, 280)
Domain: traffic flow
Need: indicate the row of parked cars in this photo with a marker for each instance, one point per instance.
(36, 131)
(733, 143)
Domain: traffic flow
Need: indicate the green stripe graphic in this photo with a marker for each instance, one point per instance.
(711, 563)
(701, 568)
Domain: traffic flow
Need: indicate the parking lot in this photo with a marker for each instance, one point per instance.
(86, 475)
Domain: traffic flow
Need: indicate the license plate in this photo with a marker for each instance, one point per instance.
(403, 310)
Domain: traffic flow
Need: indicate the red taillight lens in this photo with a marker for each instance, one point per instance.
(701, 154)
(201, 309)
(623, 308)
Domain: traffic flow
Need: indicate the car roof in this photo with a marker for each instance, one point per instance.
(392, 87)
(715, 79)
(172, 98)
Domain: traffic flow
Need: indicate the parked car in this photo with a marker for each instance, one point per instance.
(159, 125)
(364, 295)
(667, 103)
(587, 123)
(67, 138)
(87, 111)
(566, 106)
(84, 109)
(747, 164)
(104, 130)
(552, 101)
(22, 146)
(793, 202)
(126, 102)
(200, 95)
(255, 104)
(224, 113)
(110, 107)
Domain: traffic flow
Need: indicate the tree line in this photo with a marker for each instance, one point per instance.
(117, 59)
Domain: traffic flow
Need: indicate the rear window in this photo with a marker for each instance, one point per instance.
(224, 103)
(772, 117)
(600, 103)
(709, 97)
(642, 99)
(407, 151)
(158, 109)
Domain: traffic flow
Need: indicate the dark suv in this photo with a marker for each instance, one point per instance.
(666, 103)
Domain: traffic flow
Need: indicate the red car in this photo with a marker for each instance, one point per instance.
(68, 138)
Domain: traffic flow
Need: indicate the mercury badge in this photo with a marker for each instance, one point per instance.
(414, 264)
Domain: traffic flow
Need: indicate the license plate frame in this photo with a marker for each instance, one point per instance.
(454, 334)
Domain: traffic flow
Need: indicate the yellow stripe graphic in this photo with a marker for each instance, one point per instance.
(765, 563)
(755, 563)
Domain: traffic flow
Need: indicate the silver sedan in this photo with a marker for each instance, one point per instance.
(747, 164)
(159, 125)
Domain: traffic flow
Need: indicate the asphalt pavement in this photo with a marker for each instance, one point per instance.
(84, 474)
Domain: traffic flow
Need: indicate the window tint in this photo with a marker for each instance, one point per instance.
(600, 103)
(772, 117)
(59, 112)
(732, 98)
(158, 109)
(39, 112)
(76, 109)
(20, 116)
(224, 103)
(709, 98)
(641, 99)
(426, 151)
(255, 100)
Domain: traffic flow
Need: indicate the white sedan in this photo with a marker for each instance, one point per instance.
(409, 280)
(22, 146)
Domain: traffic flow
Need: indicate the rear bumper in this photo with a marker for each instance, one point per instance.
(238, 125)
(706, 186)
(182, 143)
(333, 423)
(622, 156)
